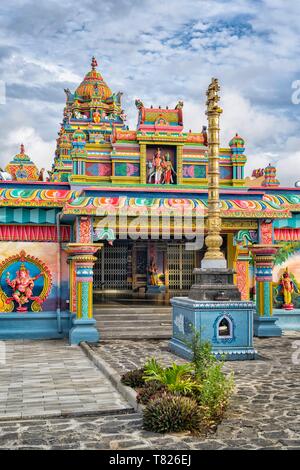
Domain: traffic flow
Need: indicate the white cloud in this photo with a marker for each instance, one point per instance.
(35, 147)
(288, 168)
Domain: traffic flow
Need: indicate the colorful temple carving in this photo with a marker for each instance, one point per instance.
(84, 224)
(95, 145)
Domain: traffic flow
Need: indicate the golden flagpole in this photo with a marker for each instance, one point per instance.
(213, 241)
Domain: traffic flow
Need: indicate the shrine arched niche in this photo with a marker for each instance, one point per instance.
(161, 161)
(25, 283)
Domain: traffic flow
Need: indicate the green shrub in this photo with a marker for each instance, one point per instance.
(215, 394)
(202, 356)
(186, 397)
(134, 378)
(177, 378)
(149, 390)
(172, 413)
(216, 387)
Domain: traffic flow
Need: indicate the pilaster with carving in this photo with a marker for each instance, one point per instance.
(242, 272)
(82, 260)
(179, 156)
(143, 164)
(264, 322)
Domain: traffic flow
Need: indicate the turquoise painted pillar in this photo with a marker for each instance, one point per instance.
(234, 172)
(84, 284)
(264, 322)
(83, 322)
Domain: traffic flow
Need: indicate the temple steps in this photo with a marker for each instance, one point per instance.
(134, 322)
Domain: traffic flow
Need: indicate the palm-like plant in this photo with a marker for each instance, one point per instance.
(176, 378)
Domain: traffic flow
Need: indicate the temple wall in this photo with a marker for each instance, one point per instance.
(47, 253)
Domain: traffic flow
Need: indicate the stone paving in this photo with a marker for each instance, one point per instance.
(50, 378)
(264, 412)
(265, 409)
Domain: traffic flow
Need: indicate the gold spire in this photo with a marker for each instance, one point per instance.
(213, 240)
(94, 63)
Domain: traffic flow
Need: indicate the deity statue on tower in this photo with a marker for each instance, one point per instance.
(22, 287)
(158, 166)
(213, 97)
(168, 169)
(96, 116)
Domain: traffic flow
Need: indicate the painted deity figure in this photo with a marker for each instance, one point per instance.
(153, 271)
(22, 287)
(78, 115)
(168, 170)
(288, 289)
(67, 116)
(96, 116)
(123, 116)
(150, 171)
(158, 166)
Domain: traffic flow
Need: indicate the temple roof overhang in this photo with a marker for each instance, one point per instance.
(120, 205)
(289, 201)
(95, 201)
(36, 197)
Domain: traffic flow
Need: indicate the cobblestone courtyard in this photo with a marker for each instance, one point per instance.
(264, 411)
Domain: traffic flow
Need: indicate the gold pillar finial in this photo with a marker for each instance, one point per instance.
(213, 240)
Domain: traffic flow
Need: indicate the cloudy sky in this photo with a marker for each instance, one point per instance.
(159, 51)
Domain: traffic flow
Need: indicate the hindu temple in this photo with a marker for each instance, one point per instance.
(123, 213)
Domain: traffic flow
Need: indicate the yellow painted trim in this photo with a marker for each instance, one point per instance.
(179, 164)
(261, 298)
(233, 225)
(125, 160)
(199, 181)
(271, 298)
(90, 312)
(238, 182)
(79, 295)
(232, 253)
(204, 182)
(98, 147)
(143, 162)
(125, 179)
(127, 154)
(89, 179)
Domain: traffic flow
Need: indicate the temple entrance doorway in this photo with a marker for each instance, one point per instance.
(111, 268)
(123, 270)
(181, 263)
(127, 304)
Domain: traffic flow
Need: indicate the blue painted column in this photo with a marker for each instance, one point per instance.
(83, 322)
(264, 321)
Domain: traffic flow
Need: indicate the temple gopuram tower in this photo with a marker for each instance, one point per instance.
(94, 112)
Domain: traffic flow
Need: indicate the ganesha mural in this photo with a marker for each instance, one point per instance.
(25, 283)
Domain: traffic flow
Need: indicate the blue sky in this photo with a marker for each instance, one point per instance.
(159, 52)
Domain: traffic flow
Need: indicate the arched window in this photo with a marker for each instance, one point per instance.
(225, 328)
